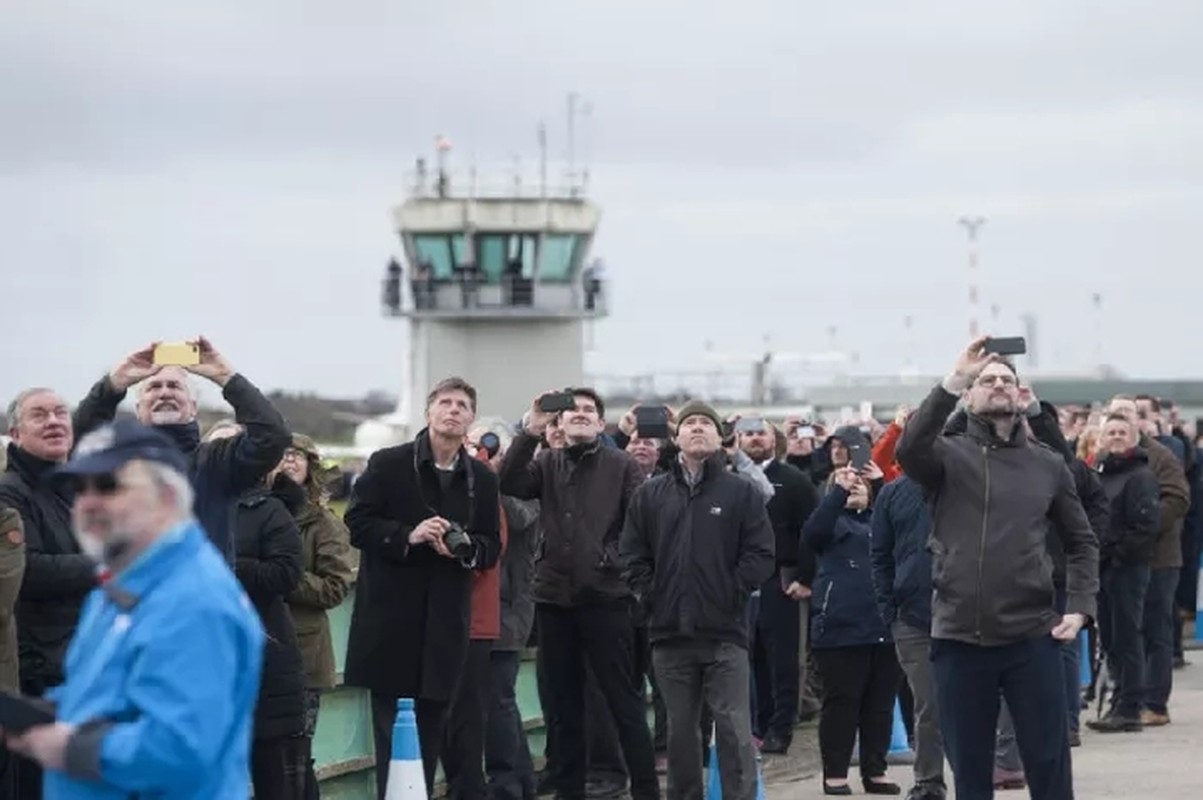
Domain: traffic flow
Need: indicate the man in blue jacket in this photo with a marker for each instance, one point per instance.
(163, 672)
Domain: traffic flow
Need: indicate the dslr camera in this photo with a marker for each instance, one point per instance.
(457, 541)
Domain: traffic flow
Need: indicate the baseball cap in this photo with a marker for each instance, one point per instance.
(107, 449)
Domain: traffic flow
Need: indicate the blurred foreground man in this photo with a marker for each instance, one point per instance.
(163, 672)
(995, 626)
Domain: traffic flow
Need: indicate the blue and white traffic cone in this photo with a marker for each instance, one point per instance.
(900, 746)
(1085, 663)
(1199, 607)
(714, 783)
(406, 778)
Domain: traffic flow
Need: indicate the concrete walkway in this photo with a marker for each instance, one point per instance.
(1156, 764)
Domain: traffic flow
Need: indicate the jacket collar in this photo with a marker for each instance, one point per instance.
(424, 452)
(712, 466)
(127, 587)
(979, 428)
(38, 473)
(185, 435)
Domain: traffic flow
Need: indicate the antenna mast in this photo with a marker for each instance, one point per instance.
(971, 226)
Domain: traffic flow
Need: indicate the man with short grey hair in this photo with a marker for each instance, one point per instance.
(57, 575)
(220, 470)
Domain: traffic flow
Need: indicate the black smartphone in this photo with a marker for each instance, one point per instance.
(651, 422)
(19, 714)
(1006, 346)
(859, 456)
(556, 402)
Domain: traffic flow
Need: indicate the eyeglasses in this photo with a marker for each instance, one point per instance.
(101, 484)
(295, 455)
(993, 380)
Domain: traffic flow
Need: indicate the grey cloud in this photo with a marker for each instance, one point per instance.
(750, 84)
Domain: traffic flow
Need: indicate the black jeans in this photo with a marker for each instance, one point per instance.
(1121, 612)
(1030, 675)
(603, 635)
(431, 716)
(467, 721)
(278, 767)
(860, 684)
(508, 760)
(1159, 638)
(775, 662)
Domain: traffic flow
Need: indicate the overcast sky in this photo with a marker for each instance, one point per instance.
(773, 167)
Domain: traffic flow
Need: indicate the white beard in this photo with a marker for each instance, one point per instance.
(90, 546)
(167, 417)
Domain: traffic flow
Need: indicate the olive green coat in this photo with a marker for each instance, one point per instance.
(330, 566)
(12, 570)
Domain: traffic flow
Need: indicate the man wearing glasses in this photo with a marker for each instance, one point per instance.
(995, 627)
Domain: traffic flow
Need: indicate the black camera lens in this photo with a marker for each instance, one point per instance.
(457, 541)
(491, 443)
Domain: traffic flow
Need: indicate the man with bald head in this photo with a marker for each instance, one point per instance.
(1158, 625)
(995, 493)
(220, 470)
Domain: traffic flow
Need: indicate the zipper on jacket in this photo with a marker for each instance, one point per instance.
(981, 555)
(827, 595)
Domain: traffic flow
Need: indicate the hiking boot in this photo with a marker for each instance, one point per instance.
(1116, 723)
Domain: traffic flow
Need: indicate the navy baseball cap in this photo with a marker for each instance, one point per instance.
(108, 449)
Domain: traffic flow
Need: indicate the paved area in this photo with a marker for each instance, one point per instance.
(1156, 764)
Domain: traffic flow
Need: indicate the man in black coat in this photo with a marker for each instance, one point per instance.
(220, 471)
(57, 575)
(776, 636)
(425, 515)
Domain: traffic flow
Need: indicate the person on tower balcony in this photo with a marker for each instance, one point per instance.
(584, 607)
(221, 470)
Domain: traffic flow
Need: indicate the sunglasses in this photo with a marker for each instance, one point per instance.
(101, 484)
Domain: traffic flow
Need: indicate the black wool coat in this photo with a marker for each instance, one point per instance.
(410, 622)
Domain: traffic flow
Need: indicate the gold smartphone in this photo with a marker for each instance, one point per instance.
(177, 354)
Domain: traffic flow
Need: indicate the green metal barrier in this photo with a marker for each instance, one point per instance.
(342, 745)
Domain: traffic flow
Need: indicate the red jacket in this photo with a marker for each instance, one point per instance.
(883, 453)
(486, 594)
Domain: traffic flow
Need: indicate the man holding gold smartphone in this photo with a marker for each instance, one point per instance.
(220, 470)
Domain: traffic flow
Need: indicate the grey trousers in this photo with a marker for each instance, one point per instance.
(914, 654)
(807, 697)
(693, 672)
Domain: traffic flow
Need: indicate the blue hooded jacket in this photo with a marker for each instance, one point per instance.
(162, 679)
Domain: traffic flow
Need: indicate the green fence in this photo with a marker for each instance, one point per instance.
(343, 743)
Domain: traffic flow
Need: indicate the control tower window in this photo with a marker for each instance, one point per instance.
(437, 251)
(499, 252)
(557, 259)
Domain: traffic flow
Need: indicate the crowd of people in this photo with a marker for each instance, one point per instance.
(748, 573)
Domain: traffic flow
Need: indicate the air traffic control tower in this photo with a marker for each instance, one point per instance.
(496, 287)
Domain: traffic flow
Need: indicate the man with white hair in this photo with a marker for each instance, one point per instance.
(220, 470)
(163, 672)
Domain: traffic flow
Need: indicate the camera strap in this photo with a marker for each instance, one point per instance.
(460, 460)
